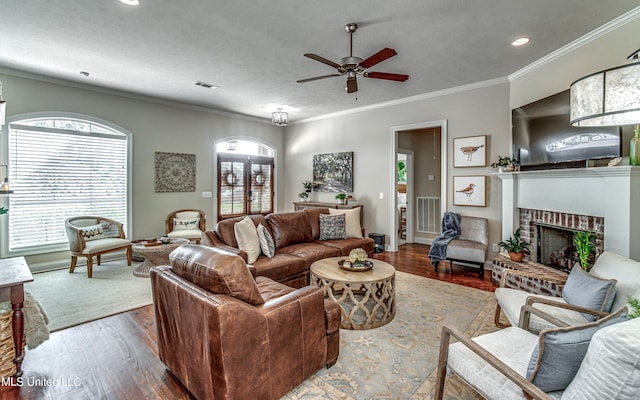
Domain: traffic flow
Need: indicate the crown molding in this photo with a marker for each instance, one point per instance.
(411, 99)
(581, 41)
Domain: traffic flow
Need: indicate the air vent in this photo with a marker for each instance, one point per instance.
(206, 85)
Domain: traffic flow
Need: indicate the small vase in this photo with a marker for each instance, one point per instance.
(517, 257)
(634, 150)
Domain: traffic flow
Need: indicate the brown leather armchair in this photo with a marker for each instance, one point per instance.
(227, 335)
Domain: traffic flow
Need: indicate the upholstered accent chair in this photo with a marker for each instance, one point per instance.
(471, 246)
(93, 236)
(186, 224)
(578, 303)
(228, 335)
(597, 360)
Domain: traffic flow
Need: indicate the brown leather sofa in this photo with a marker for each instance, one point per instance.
(226, 335)
(296, 240)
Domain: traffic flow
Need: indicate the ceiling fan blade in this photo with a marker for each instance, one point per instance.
(317, 77)
(322, 60)
(352, 85)
(386, 75)
(378, 57)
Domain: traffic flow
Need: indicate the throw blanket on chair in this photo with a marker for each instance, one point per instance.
(450, 231)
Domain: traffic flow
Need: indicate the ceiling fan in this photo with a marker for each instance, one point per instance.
(352, 66)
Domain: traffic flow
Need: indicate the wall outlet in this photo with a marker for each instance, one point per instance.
(206, 195)
(381, 195)
(495, 248)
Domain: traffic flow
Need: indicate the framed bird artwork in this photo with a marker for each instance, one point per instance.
(470, 191)
(470, 151)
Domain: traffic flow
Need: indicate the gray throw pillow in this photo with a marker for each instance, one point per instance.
(332, 227)
(267, 245)
(560, 351)
(585, 290)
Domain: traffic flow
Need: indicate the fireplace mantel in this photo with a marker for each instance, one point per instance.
(609, 192)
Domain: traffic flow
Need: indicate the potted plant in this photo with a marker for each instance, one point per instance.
(3, 210)
(304, 196)
(584, 247)
(308, 185)
(505, 164)
(342, 198)
(515, 246)
(634, 307)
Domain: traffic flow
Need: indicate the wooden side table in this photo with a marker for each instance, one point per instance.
(14, 273)
(367, 299)
(155, 255)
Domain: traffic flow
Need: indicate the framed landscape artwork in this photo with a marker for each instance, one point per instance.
(333, 172)
(470, 151)
(470, 191)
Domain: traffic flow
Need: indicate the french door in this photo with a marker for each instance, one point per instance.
(245, 185)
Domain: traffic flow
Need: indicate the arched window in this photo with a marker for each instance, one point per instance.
(245, 178)
(60, 166)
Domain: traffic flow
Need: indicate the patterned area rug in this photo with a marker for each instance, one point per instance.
(399, 360)
(72, 299)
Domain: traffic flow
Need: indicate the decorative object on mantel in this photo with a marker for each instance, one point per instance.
(175, 172)
(342, 198)
(470, 151)
(615, 162)
(585, 248)
(505, 164)
(470, 191)
(610, 98)
(333, 172)
(515, 246)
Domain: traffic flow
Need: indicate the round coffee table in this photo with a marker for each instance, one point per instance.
(154, 255)
(367, 298)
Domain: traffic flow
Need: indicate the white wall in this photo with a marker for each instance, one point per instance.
(155, 127)
(476, 111)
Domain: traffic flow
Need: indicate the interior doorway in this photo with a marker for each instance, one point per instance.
(426, 192)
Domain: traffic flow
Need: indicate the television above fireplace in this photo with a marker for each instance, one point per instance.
(544, 139)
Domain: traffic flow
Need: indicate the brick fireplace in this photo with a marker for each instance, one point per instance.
(605, 200)
(551, 235)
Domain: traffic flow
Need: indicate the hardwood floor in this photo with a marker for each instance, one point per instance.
(116, 357)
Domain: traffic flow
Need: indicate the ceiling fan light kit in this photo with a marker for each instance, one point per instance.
(352, 66)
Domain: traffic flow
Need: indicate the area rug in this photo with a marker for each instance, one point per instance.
(399, 360)
(72, 299)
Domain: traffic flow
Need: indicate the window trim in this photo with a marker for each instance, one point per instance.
(4, 158)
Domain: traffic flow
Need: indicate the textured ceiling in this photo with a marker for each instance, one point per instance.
(254, 50)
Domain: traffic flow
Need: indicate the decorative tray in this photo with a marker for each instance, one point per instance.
(365, 266)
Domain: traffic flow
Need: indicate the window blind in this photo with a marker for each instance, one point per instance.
(60, 173)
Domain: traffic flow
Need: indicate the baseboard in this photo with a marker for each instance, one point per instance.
(64, 264)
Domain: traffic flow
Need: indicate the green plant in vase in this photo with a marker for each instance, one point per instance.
(515, 246)
(585, 246)
(505, 163)
(3, 210)
(341, 197)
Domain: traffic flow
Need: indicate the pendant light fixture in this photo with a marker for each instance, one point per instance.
(280, 118)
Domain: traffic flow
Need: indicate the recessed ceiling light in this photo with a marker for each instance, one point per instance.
(521, 41)
(130, 2)
(84, 73)
(206, 85)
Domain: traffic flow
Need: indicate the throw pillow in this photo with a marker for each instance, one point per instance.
(560, 351)
(92, 232)
(352, 220)
(332, 227)
(247, 238)
(266, 241)
(185, 224)
(585, 290)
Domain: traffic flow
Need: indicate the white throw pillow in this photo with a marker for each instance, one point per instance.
(352, 220)
(266, 241)
(247, 238)
(93, 232)
(185, 224)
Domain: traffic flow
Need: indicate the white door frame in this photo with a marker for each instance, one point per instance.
(393, 184)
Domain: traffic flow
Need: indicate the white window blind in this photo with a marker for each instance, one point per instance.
(60, 168)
